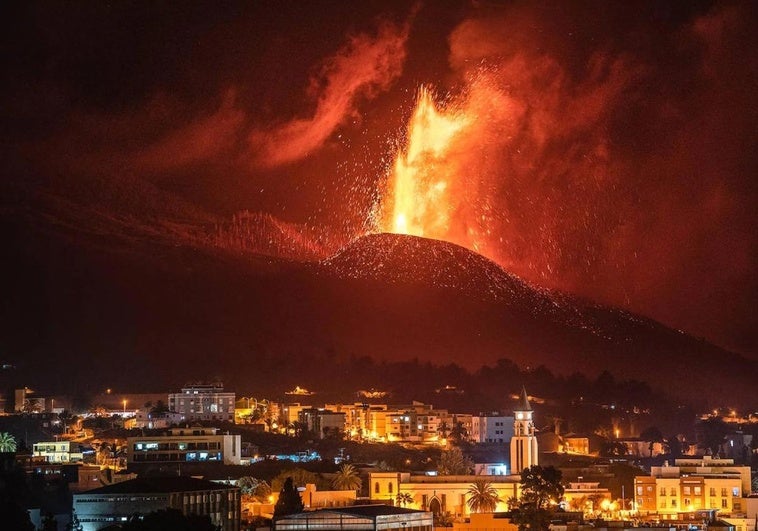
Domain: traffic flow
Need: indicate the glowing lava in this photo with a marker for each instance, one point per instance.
(418, 199)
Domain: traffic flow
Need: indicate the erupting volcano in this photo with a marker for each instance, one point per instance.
(420, 197)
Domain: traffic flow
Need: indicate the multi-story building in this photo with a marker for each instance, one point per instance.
(491, 428)
(691, 485)
(60, 451)
(185, 445)
(203, 402)
(322, 422)
(115, 504)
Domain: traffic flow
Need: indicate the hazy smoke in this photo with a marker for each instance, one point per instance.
(365, 65)
(577, 171)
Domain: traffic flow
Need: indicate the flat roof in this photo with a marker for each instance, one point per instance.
(373, 510)
(158, 485)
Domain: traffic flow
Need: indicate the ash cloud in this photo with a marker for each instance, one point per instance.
(364, 66)
(612, 160)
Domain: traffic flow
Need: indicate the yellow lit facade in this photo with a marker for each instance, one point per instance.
(693, 485)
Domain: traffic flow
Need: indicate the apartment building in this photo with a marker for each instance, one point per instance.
(185, 445)
(203, 402)
(691, 485)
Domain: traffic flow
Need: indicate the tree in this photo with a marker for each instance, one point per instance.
(49, 523)
(541, 490)
(247, 485)
(289, 501)
(347, 478)
(403, 498)
(443, 429)
(103, 453)
(541, 486)
(7, 442)
(443, 519)
(712, 434)
(300, 477)
(262, 491)
(613, 449)
(453, 462)
(159, 408)
(652, 435)
(74, 524)
(673, 446)
(483, 497)
(459, 434)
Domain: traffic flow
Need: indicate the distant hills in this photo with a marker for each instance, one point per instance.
(125, 288)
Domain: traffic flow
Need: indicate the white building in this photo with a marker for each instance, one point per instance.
(203, 402)
(185, 445)
(492, 428)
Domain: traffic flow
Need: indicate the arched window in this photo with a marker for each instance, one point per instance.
(435, 506)
(389, 488)
(376, 488)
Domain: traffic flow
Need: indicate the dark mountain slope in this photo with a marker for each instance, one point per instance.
(116, 302)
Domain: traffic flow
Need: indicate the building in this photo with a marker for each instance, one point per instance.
(203, 402)
(491, 428)
(322, 422)
(438, 494)
(144, 418)
(586, 496)
(60, 451)
(185, 445)
(692, 485)
(357, 518)
(524, 441)
(116, 503)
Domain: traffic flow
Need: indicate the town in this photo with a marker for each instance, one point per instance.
(204, 452)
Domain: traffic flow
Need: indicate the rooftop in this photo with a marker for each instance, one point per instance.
(158, 485)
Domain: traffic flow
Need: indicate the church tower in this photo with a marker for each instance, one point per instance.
(524, 441)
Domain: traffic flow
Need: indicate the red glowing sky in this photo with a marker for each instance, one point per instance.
(612, 153)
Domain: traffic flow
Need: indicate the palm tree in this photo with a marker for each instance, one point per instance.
(483, 497)
(403, 498)
(7, 442)
(347, 478)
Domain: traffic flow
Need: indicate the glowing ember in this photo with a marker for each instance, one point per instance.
(418, 199)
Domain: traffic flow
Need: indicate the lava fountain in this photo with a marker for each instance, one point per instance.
(418, 199)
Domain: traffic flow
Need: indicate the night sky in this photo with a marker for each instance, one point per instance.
(613, 152)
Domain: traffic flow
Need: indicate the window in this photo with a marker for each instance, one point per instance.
(376, 488)
(389, 488)
(698, 491)
(686, 491)
(712, 491)
(639, 489)
(672, 492)
(673, 503)
(723, 491)
(735, 491)
(663, 491)
(723, 503)
(687, 502)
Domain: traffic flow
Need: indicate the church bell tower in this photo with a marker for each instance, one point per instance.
(524, 441)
